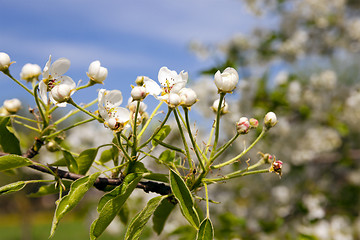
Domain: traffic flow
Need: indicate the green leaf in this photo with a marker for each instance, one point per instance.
(8, 140)
(124, 214)
(157, 177)
(12, 161)
(138, 223)
(206, 230)
(167, 156)
(67, 203)
(106, 155)
(184, 197)
(50, 189)
(70, 161)
(85, 160)
(161, 213)
(12, 187)
(111, 203)
(161, 135)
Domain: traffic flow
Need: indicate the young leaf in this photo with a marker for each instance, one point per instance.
(161, 213)
(161, 135)
(167, 156)
(12, 161)
(49, 189)
(111, 203)
(184, 197)
(138, 223)
(107, 155)
(77, 191)
(8, 141)
(85, 160)
(206, 230)
(12, 187)
(70, 161)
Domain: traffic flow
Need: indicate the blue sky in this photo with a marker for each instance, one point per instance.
(130, 38)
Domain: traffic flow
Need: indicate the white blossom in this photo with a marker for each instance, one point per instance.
(30, 71)
(115, 117)
(5, 61)
(96, 72)
(52, 77)
(227, 80)
(188, 97)
(12, 105)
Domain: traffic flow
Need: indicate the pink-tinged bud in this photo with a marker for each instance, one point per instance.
(243, 125)
(138, 93)
(270, 120)
(5, 61)
(12, 105)
(61, 93)
(276, 167)
(254, 123)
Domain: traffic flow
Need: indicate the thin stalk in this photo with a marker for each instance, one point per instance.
(227, 177)
(27, 126)
(45, 120)
(157, 130)
(89, 84)
(192, 139)
(84, 110)
(210, 138)
(70, 127)
(217, 127)
(24, 118)
(134, 150)
(241, 154)
(223, 148)
(149, 120)
(73, 112)
(207, 201)
(183, 139)
(18, 82)
(126, 154)
(170, 147)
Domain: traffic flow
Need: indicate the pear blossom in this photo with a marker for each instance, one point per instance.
(53, 78)
(243, 125)
(115, 117)
(30, 71)
(188, 97)
(5, 61)
(173, 100)
(138, 93)
(170, 83)
(12, 105)
(132, 106)
(224, 107)
(97, 73)
(270, 120)
(227, 80)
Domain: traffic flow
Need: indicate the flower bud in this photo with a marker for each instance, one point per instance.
(174, 100)
(97, 73)
(243, 125)
(226, 81)
(140, 80)
(188, 97)
(276, 167)
(61, 93)
(138, 93)
(270, 120)
(12, 105)
(4, 61)
(113, 124)
(254, 123)
(30, 71)
(52, 146)
(224, 108)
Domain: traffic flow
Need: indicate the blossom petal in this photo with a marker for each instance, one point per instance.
(152, 87)
(113, 98)
(67, 81)
(46, 69)
(167, 77)
(43, 91)
(59, 67)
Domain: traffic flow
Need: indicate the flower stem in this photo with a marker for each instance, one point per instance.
(18, 82)
(186, 110)
(134, 150)
(157, 130)
(73, 112)
(217, 126)
(241, 154)
(233, 175)
(70, 127)
(183, 139)
(223, 148)
(84, 110)
(149, 120)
